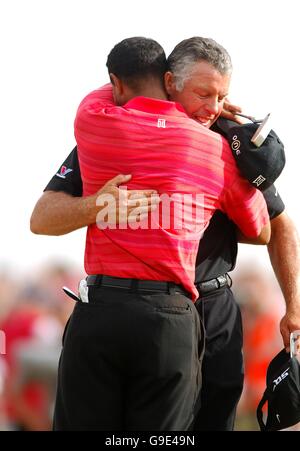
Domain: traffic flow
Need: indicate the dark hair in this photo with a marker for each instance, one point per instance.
(137, 58)
(190, 51)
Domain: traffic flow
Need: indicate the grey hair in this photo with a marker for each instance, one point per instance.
(190, 51)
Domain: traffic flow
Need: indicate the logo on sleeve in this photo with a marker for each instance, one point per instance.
(259, 180)
(63, 172)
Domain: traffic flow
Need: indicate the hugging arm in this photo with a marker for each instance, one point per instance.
(62, 209)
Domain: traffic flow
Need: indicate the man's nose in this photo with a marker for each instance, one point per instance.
(212, 106)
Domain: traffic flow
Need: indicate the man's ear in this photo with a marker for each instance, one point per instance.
(169, 82)
(118, 87)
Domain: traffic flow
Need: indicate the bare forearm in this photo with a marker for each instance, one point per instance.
(58, 213)
(284, 252)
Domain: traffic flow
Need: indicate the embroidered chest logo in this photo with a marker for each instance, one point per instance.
(161, 123)
(235, 145)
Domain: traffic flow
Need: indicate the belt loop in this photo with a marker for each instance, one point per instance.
(230, 280)
(171, 288)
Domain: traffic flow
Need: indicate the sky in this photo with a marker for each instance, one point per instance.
(54, 52)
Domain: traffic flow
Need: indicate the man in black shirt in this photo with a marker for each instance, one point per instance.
(218, 309)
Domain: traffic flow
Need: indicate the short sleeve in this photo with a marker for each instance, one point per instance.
(274, 202)
(68, 176)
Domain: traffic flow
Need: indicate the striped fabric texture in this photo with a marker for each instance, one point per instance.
(190, 166)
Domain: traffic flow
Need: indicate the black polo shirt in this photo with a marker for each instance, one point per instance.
(218, 248)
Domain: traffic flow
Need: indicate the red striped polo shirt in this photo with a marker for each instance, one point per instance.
(163, 149)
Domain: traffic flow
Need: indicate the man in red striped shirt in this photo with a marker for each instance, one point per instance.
(156, 142)
(181, 157)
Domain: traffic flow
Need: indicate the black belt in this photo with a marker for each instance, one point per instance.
(99, 280)
(214, 284)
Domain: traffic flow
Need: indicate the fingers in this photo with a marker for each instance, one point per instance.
(231, 116)
(141, 210)
(119, 179)
(136, 214)
(285, 333)
(139, 199)
(137, 207)
(139, 193)
(127, 205)
(229, 111)
(140, 213)
(228, 106)
(290, 325)
(286, 339)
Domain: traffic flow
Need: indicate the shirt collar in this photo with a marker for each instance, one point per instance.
(156, 106)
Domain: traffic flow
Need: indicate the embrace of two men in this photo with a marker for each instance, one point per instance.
(134, 356)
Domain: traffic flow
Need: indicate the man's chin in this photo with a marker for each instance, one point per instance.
(212, 122)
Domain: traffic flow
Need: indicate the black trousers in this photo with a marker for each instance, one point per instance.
(222, 368)
(130, 361)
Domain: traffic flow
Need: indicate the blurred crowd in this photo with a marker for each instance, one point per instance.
(262, 307)
(34, 311)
